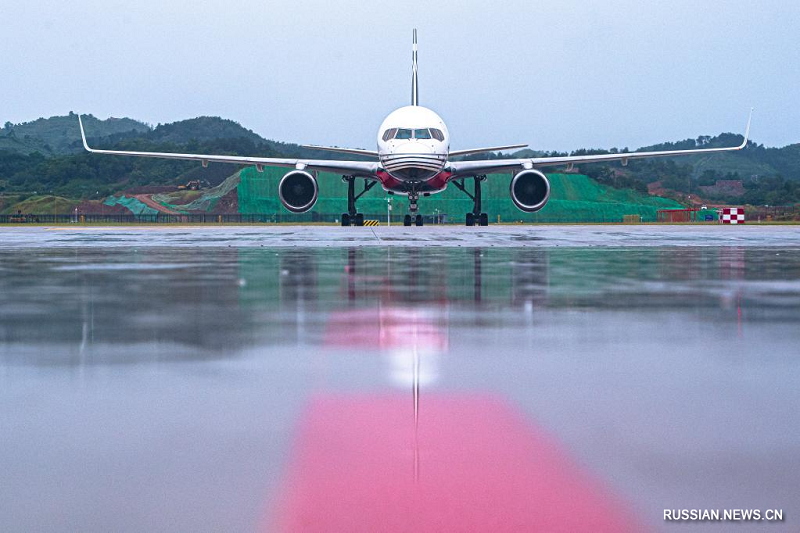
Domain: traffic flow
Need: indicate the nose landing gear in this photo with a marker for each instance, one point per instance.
(413, 196)
(408, 219)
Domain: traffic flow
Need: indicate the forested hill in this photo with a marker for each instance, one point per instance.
(60, 135)
(756, 159)
(756, 175)
(46, 156)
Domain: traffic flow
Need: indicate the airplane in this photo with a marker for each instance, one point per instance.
(413, 159)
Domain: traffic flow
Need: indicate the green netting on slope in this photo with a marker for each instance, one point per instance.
(205, 202)
(258, 194)
(575, 198)
(134, 205)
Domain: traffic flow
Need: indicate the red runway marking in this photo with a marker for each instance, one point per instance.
(474, 464)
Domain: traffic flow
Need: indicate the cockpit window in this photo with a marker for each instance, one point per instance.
(422, 133)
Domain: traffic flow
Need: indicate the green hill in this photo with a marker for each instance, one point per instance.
(60, 135)
(10, 143)
(231, 137)
(202, 129)
(756, 160)
(40, 205)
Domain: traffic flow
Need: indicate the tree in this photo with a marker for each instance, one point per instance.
(7, 126)
(709, 177)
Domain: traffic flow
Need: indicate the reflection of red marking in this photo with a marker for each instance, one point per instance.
(739, 313)
(481, 467)
(732, 263)
(387, 328)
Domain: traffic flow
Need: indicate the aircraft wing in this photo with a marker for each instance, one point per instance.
(354, 168)
(494, 166)
(354, 151)
(454, 153)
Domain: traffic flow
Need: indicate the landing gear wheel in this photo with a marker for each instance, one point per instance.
(353, 217)
(476, 217)
(407, 220)
(418, 220)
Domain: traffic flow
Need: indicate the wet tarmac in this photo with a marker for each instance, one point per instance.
(382, 236)
(430, 379)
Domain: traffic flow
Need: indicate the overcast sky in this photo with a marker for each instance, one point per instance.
(557, 74)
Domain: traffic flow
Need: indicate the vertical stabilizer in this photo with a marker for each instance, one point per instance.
(414, 86)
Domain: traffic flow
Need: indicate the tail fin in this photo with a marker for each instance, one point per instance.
(414, 86)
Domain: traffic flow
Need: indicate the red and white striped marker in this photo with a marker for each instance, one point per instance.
(732, 215)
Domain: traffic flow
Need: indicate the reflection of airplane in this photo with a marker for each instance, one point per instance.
(413, 159)
(400, 328)
(432, 460)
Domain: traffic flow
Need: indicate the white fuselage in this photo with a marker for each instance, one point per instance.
(413, 144)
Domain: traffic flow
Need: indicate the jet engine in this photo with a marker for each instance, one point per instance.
(530, 190)
(298, 191)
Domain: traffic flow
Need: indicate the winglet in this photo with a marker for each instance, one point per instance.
(747, 131)
(83, 135)
(414, 85)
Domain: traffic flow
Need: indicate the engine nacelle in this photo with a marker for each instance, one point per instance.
(530, 190)
(298, 191)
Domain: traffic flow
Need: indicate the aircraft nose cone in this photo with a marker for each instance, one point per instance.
(413, 161)
(414, 147)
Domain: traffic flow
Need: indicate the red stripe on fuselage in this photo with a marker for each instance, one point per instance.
(434, 184)
(390, 183)
(439, 181)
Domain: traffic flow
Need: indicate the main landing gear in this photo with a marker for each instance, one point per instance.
(353, 217)
(413, 197)
(416, 219)
(480, 220)
(476, 217)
